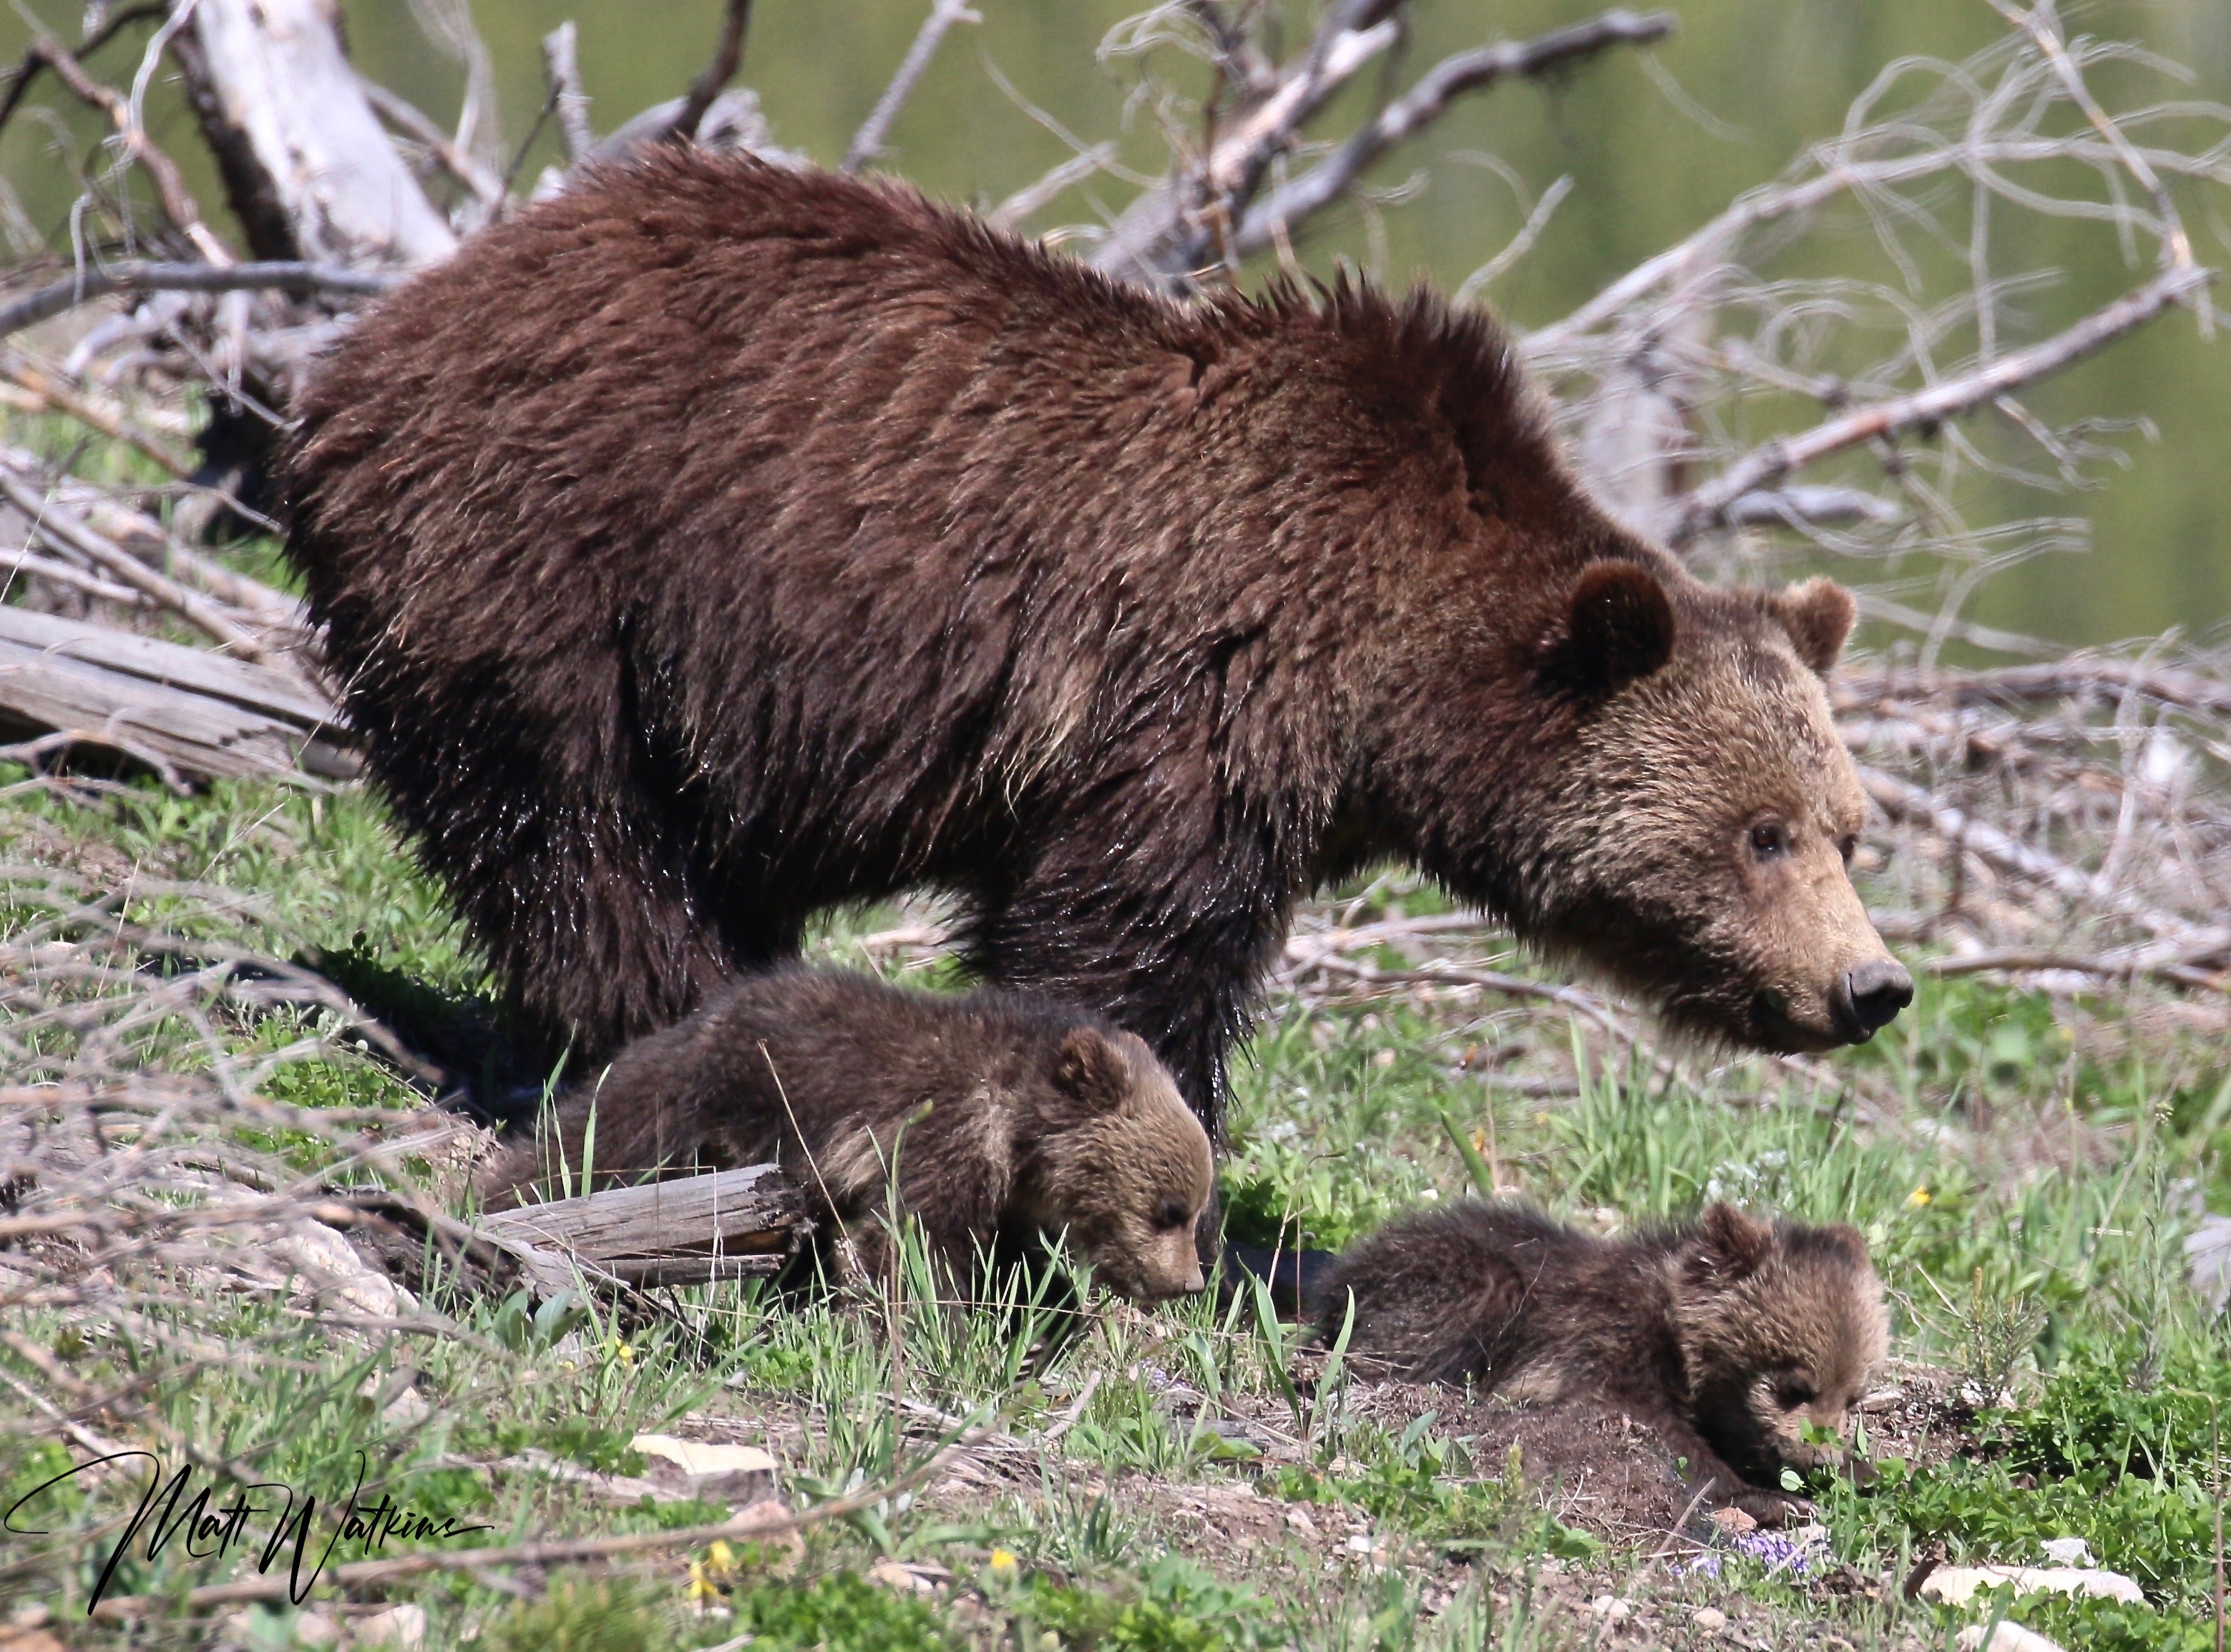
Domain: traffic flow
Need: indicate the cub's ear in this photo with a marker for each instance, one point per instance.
(1819, 615)
(1738, 1244)
(1089, 1068)
(1617, 627)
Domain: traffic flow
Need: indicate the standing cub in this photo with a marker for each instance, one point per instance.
(1726, 1335)
(1006, 1115)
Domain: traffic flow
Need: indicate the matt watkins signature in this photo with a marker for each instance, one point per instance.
(173, 1509)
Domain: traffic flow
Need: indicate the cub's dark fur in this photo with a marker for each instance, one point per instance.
(1725, 1335)
(1006, 1115)
(712, 544)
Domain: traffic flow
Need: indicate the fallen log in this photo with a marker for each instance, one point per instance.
(733, 1224)
(693, 1230)
(187, 713)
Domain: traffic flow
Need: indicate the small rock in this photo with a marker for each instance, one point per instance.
(1610, 1608)
(324, 1265)
(31, 1617)
(722, 1473)
(1733, 1522)
(2004, 1637)
(1299, 1520)
(315, 1629)
(1883, 1399)
(406, 1408)
(1709, 1620)
(2067, 1551)
(401, 1627)
(15, 1637)
(1957, 1585)
(1360, 1543)
(2207, 1253)
(770, 1524)
(903, 1580)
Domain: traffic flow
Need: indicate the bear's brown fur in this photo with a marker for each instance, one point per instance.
(1725, 1336)
(713, 544)
(993, 1116)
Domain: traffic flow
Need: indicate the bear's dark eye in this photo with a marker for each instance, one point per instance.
(1847, 846)
(1172, 1215)
(1769, 839)
(1794, 1391)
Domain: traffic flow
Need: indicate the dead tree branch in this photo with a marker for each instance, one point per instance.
(67, 531)
(50, 388)
(1174, 229)
(1286, 208)
(282, 275)
(1157, 239)
(727, 58)
(21, 77)
(171, 192)
(1707, 507)
(867, 143)
(418, 127)
(561, 65)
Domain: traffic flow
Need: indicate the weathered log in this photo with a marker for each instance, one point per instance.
(186, 712)
(733, 1224)
(306, 165)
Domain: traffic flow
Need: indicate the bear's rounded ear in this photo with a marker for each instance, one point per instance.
(1618, 627)
(1089, 1068)
(1738, 1244)
(1819, 615)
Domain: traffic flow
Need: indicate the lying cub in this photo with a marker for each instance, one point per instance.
(1006, 1115)
(1726, 1335)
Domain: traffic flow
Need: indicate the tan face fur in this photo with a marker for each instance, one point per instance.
(1130, 1181)
(1707, 818)
(1786, 1328)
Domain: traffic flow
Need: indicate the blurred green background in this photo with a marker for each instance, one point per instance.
(1654, 148)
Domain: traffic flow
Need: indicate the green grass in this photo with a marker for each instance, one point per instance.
(2025, 1199)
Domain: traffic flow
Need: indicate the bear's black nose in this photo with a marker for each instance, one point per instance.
(1874, 993)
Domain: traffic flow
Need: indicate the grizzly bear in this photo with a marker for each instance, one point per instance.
(713, 545)
(1725, 1336)
(992, 1118)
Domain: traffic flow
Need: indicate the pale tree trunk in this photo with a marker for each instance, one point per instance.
(309, 171)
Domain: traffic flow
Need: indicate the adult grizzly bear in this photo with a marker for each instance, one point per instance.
(715, 544)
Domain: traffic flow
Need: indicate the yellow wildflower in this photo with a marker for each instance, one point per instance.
(1919, 1197)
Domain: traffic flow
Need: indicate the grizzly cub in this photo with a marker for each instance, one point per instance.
(994, 1116)
(1726, 1336)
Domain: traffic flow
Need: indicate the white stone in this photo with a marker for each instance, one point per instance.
(1298, 1519)
(325, 1265)
(1709, 1620)
(2067, 1551)
(403, 1628)
(1610, 1608)
(728, 1474)
(2004, 1637)
(890, 1575)
(1957, 1585)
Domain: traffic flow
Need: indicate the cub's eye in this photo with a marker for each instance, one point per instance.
(1795, 1392)
(1770, 839)
(1172, 1215)
(1847, 846)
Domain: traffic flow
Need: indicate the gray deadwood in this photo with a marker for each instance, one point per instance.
(306, 165)
(186, 712)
